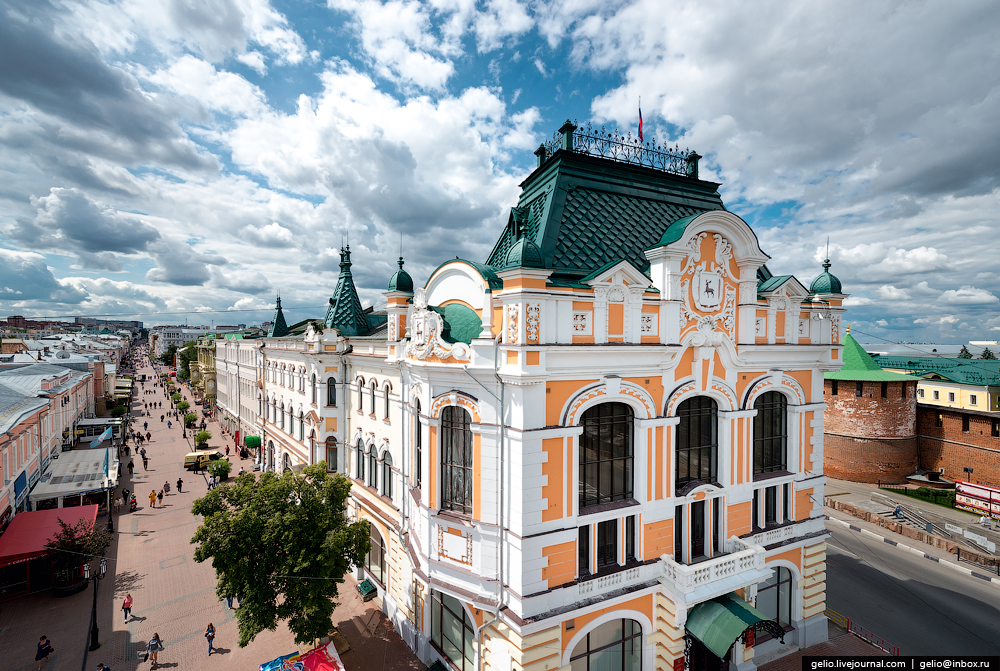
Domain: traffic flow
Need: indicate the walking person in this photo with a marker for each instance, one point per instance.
(131, 466)
(127, 607)
(179, 483)
(44, 650)
(152, 499)
(118, 504)
(159, 498)
(145, 464)
(166, 488)
(210, 636)
(153, 648)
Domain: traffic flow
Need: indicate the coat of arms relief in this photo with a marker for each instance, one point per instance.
(426, 327)
(709, 300)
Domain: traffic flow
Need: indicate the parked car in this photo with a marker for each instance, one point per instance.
(195, 461)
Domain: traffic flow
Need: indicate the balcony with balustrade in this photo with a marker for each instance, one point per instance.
(740, 566)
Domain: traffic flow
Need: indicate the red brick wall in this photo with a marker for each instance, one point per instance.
(870, 415)
(869, 459)
(951, 448)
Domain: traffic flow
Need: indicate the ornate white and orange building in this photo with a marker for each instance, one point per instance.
(600, 449)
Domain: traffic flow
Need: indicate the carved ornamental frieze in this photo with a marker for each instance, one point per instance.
(709, 288)
(426, 327)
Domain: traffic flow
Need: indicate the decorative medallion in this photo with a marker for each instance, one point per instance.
(426, 328)
(512, 329)
(532, 315)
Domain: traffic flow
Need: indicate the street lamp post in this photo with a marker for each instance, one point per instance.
(94, 642)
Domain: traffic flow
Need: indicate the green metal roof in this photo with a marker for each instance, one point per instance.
(524, 254)
(859, 366)
(278, 326)
(461, 324)
(982, 372)
(401, 280)
(584, 212)
(345, 312)
(826, 283)
(719, 622)
(773, 282)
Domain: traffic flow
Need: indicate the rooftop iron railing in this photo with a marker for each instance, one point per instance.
(624, 148)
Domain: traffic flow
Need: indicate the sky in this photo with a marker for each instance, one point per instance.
(172, 160)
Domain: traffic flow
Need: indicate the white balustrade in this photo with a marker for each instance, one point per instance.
(742, 556)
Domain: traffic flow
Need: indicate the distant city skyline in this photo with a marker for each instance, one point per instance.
(158, 164)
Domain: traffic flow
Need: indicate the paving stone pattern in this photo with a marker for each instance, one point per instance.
(152, 558)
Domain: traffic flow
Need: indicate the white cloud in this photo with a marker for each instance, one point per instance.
(218, 90)
(254, 60)
(891, 293)
(968, 295)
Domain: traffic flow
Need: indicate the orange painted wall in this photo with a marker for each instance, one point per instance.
(553, 469)
(562, 563)
(497, 325)
(804, 378)
(658, 539)
(581, 306)
(654, 385)
(557, 392)
(616, 319)
(807, 446)
(779, 326)
(792, 556)
(571, 490)
(740, 519)
(803, 504)
(512, 357)
(532, 358)
(684, 364)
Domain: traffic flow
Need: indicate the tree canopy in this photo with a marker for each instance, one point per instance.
(76, 544)
(167, 358)
(987, 354)
(282, 544)
(965, 353)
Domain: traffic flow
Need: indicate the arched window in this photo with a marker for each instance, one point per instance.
(375, 562)
(456, 460)
(313, 386)
(331, 391)
(361, 394)
(697, 440)
(287, 463)
(774, 597)
(387, 474)
(606, 465)
(302, 426)
(452, 632)
(371, 389)
(359, 461)
(386, 390)
(418, 443)
(612, 645)
(373, 468)
(770, 433)
(331, 454)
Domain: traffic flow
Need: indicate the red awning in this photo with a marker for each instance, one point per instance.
(27, 534)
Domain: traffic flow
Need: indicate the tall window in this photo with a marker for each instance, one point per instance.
(359, 461)
(613, 645)
(331, 454)
(331, 392)
(770, 433)
(583, 551)
(386, 390)
(373, 468)
(313, 387)
(286, 463)
(606, 454)
(387, 474)
(375, 562)
(361, 395)
(302, 425)
(371, 390)
(697, 440)
(607, 544)
(452, 631)
(456, 460)
(418, 444)
(774, 597)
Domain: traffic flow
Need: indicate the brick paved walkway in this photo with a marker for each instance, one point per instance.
(841, 644)
(151, 558)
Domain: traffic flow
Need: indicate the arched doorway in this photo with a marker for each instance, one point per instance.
(612, 646)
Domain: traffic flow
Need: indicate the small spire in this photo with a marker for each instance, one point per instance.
(400, 262)
(826, 265)
(848, 329)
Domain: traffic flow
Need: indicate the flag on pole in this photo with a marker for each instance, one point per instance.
(640, 118)
(101, 438)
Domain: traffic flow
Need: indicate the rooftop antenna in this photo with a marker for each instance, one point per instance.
(828, 247)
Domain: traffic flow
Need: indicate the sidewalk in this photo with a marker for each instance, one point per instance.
(860, 496)
(152, 559)
(841, 644)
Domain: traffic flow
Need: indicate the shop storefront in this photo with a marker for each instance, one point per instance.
(78, 478)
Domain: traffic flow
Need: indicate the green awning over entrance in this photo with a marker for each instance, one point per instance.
(719, 622)
(252, 442)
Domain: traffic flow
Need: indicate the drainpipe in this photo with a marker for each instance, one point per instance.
(503, 434)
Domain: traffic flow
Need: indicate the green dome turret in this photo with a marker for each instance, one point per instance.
(826, 283)
(401, 280)
(524, 254)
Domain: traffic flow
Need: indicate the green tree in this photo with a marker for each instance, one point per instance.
(76, 544)
(118, 411)
(174, 396)
(987, 354)
(965, 353)
(203, 437)
(296, 530)
(190, 419)
(188, 354)
(167, 358)
(183, 405)
(220, 467)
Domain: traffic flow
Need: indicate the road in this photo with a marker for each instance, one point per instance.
(921, 606)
